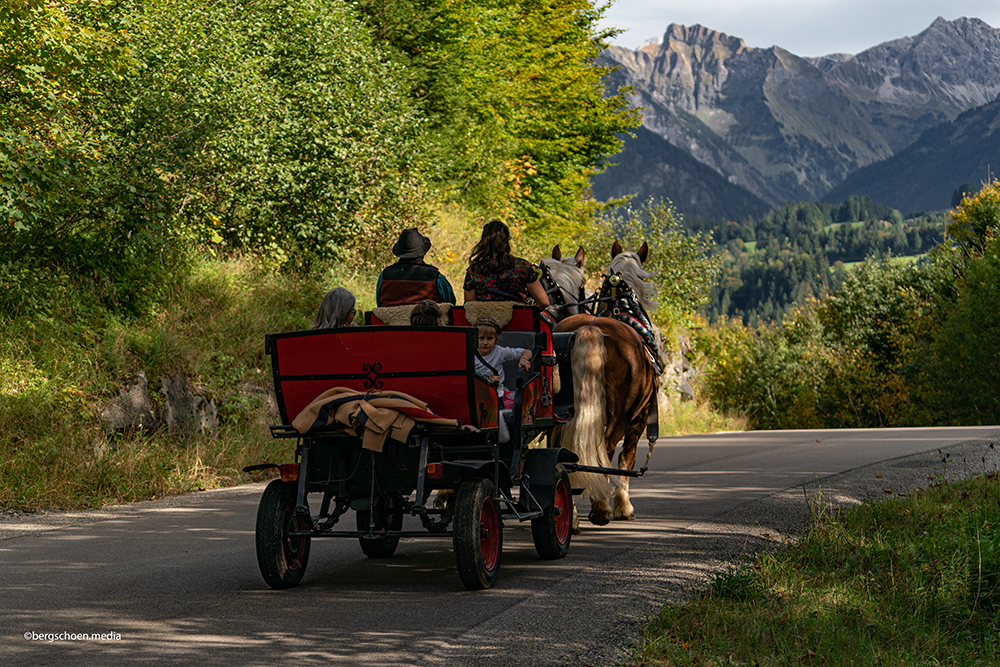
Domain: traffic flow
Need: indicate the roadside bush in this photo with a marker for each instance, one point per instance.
(763, 373)
(963, 357)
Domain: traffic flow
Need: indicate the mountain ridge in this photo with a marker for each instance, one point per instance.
(789, 128)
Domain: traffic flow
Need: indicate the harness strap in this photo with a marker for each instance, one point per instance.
(618, 300)
(652, 430)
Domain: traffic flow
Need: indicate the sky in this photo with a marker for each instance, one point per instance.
(804, 27)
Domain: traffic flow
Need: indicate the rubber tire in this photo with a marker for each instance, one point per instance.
(552, 532)
(477, 534)
(282, 559)
(382, 547)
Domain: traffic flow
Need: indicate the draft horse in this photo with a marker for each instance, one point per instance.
(615, 386)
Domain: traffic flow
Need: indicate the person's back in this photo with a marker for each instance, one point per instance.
(410, 279)
(496, 275)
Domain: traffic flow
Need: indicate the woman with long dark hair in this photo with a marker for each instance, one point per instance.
(496, 275)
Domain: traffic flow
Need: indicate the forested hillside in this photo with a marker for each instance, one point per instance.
(770, 265)
(897, 344)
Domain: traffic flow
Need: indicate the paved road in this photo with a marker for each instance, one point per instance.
(177, 579)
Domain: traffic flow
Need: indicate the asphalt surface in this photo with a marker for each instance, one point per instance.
(175, 581)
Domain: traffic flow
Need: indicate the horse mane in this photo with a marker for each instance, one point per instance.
(629, 265)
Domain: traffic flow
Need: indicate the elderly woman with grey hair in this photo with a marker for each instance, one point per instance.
(337, 310)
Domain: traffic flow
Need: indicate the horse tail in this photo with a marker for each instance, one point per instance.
(584, 435)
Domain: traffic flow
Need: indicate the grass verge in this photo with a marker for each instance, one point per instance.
(688, 417)
(910, 581)
(58, 369)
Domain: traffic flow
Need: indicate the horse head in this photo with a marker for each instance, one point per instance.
(563, 280)
(628, 266)
(628, 294)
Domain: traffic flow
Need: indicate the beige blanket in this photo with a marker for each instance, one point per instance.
(376, 415)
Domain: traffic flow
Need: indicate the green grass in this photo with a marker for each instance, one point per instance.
(838, 225)
(897, 259)
(911, 581)
(58, 369)
(684, 418)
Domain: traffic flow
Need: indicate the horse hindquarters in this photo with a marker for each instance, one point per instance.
(584, 435)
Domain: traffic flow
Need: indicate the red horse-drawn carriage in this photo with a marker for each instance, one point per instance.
(386, 415)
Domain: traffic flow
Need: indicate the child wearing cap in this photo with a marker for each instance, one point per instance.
(492, 357)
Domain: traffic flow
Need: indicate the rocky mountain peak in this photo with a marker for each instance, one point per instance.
(951, 65)
(700, 36)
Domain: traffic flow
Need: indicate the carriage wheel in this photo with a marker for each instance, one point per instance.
(388, 516)
(281, 557)
(478, 534)
(552, 532)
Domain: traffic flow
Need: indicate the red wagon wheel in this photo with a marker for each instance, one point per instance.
(552, 532)
(478, 534)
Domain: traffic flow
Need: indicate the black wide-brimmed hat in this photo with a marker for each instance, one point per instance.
(411, 244)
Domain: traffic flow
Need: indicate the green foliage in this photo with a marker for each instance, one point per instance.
(685, 271)
(771, 375)
(976, 220)
(278, 128)
(518, 110)
(63, 215)
(849, 360)
(54, 61)
(961, 372)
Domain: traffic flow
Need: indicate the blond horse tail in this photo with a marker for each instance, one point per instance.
(584, 435)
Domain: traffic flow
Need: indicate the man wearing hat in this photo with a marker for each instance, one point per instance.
(410, 280)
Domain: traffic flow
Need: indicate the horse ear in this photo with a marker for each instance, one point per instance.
(643, 252)
(579, 257)
(616, 249)
(557, 254)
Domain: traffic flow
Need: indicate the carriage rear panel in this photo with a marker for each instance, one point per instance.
(433, 364)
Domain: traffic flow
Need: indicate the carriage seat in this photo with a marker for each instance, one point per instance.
(529, 340)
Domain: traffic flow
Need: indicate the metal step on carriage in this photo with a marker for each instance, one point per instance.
(480, 481)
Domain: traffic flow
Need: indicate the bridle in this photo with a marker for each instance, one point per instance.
(558, 305)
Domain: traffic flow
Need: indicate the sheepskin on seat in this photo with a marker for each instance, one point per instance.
(500, 312)
(399, 316)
